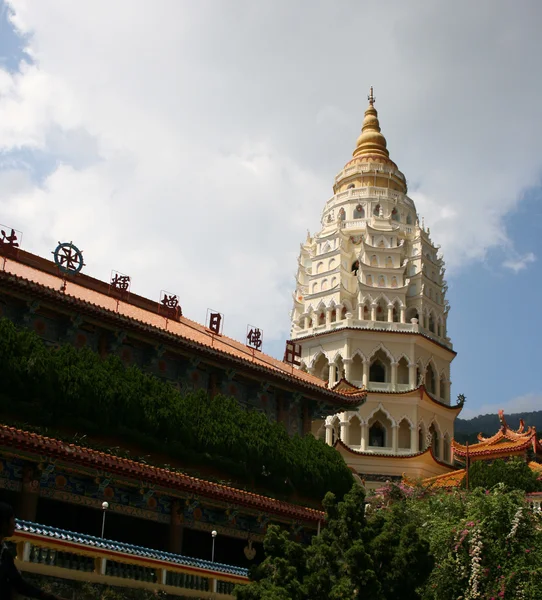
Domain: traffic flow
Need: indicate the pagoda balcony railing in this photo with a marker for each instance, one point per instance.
(369, 191)
(53, 552)
(375, 325)
(368, 167)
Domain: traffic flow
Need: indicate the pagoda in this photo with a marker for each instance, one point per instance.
(370, 311)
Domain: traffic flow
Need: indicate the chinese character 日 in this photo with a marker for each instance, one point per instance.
(254, 338)
(214, 322)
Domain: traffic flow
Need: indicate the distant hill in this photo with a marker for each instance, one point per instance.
(487, 425)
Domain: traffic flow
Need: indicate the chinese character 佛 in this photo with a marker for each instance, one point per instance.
(254, 338)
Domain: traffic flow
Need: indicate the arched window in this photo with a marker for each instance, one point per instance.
(430, 379)
(421, 437)
(322, 318)
(351, 186)
(394, 282)
(379, 430)
(431, 322)
(369, 280)
(359, 212)
(342, 214)
(403, 371)
(396, 311)
(404, 435)
(380, 368)
(381, 311)
(355, 267)
(343, 313)
(389, 262)
(319, 267)
(314, 288)
(395, 214)
(374, 261)
(433, 432)
(377, 435)
(376, 210)
(333, 315)
(409, 219)
(381, 281)
(321, 368)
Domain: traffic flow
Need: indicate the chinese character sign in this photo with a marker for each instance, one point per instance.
(214, 320)
(120, 282)
(9, 239)
(170, 301)
(254, 338)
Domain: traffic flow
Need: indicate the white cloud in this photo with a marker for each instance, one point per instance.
(519, 263)
(526, 403)
(192, 144)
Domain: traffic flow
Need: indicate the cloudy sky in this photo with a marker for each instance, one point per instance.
(192, 144)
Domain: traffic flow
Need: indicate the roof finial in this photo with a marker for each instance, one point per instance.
(371, 97)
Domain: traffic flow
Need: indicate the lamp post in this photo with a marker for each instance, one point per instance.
(105, 506)
(213, 535)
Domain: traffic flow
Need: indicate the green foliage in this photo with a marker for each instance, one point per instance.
(514, 473)
(66, 387)
(380, 558)
(485, 545)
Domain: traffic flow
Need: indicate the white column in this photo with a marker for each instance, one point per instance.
(403, 314)
(332, 375)
(394, 438)
(328, 317)
(329, 434)
(365, 373)
(364, 434)
(373, 312)
(360, 312)
(412, 376)
(306, 322)
(414, 439)
(390, 313)
(394, 375)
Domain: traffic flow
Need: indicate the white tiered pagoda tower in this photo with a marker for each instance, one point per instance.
(370, 311)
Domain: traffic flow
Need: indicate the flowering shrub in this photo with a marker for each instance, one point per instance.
(486, 545)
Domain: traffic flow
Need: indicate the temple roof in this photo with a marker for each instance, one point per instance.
(506, 442)
(32, 274)
(42, 446)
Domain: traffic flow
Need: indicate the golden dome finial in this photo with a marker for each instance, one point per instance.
(371, 141)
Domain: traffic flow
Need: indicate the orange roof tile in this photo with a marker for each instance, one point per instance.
(448, 480)
(183, 329)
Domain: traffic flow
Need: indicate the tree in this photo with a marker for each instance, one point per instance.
(352, 558)
(514, 473)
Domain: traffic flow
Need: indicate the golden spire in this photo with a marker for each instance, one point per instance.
(371, 141)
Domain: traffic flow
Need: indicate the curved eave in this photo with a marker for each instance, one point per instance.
(427, 453)
(42, 447)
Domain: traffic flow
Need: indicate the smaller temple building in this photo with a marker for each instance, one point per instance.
(505, 444)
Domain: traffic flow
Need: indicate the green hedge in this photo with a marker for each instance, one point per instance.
(66, 387)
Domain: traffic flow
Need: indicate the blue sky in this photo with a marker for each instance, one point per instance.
(196, 163)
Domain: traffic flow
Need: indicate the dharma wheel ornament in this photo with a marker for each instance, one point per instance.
(68, 258)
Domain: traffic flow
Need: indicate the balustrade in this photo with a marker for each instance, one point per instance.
(49, 551)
